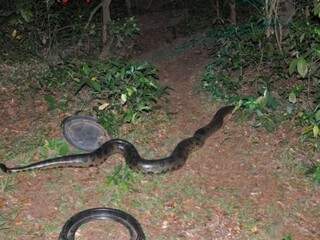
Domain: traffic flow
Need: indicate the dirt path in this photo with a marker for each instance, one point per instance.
(251, 176)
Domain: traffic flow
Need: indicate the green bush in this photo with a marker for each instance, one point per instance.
(53, 31)
(304, 47)
(239, 48)
(124, 91)
(39, 25)
(287, 237)
(316, 174)
(221, 86)
(122, 177)
(242, 50)
(250, 71)
(311, 122)
(122, 31)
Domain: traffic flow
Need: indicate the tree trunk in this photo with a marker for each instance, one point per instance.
(286, 11)
(233, 12)
(129, 7)
(216, 5)
(105, 20)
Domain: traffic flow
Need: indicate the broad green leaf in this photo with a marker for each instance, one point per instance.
(122, 73)
(302, 37)
(316, 9)
(262, 100)
(86, 69)
(152, 84)
(26, 14)
(129, 115)
(317, 31)
(316, 131)
(103, 106)
(14, 33)
(293, 66)
(292, 97)
(95, 85)
(317, 115)
(144, 108)
(64, 149)
(302, 67)
(130, 91)
(123, 98)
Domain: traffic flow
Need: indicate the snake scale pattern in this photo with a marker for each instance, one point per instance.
(132, 157)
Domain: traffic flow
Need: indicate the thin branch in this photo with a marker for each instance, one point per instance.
(94, 11)
(149, 4)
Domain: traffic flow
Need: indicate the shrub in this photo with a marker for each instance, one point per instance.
(123, 90)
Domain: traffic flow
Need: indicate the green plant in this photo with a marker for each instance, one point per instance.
(39, 25)
(3, 222)
(259, 104)
(53, 103)
(245, 49)
(55, 147)
(316, 173)
(287, 237)
(122, 33)
(311, 122)
(122, 177)
(240, 48)
(123, 90)
(221, 86)
(57, 78)
(263, 108)
(304, 48)
(7, 184)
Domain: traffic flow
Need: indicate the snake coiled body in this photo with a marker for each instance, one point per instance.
(71, 226)
(132, 157)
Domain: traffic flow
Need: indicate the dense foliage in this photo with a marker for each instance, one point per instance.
(270, 82)
(62, 28)
(123, 91)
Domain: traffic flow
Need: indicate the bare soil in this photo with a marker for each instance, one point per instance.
(245, 183)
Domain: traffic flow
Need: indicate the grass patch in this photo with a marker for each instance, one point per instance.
(7, 184)
(118, 184)
(287, 237)
(54, 147)
(26, 145)
(122, 177)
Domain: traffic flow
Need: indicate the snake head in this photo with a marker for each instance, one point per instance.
(3, 167)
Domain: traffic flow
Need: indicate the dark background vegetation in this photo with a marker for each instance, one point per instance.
(89, 56)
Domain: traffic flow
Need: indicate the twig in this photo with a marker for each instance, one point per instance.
(149, 4)
(94, 11)
(63, 28)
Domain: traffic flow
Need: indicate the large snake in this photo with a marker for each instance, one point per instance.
(132, 157)
(71, 226)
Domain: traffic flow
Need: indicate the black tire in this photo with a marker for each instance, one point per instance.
(71, 226)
